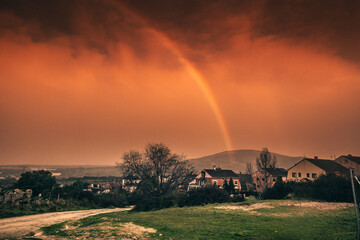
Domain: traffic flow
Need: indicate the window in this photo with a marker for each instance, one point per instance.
(314, 175)
(215, 182)
(235, 182)
(257, 179)
(308, 175)
(274, 179)
(263, 179)
(299, 174)
(294, 174)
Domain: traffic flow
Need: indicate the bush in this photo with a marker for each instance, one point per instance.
(206, 195)
(153, 201)
(279, 191)
(238, 198)
(111, 200)
(330, 188)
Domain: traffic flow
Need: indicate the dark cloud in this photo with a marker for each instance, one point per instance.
(209, 25)
(333, 23)
(199, 24)
(97, 25)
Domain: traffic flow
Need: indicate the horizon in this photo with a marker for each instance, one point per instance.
(84, 82)
(332, 157)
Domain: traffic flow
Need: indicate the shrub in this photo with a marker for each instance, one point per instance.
(279, 191)
(329, 188)
(153, 201)
(332, 188)
(205, 195)
(111, 199)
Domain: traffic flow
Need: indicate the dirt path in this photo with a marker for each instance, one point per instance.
(19, 226)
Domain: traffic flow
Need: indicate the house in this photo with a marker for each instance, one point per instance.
(350, 161)
(216, 177)
(130, 183)
(312, 168)
(246, 182)
(266, 178)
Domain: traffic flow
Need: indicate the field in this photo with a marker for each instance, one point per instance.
(275, 219)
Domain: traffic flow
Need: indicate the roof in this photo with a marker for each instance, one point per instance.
(276, 172)
(244, 180)
(328, 166)
(219, 173)
(351, 158)
(245, 177)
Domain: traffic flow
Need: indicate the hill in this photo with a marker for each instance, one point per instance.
(237, 159)
(62, 171)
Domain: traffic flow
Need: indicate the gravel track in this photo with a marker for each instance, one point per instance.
(16, 227)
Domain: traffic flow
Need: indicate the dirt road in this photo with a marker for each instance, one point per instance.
(19, 226)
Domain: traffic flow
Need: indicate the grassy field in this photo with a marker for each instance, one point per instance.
(275, 219)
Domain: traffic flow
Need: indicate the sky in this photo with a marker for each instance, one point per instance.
(82, 82)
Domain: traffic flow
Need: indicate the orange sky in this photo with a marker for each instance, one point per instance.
(81, 83)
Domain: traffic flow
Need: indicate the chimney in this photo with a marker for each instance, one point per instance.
(315, 157)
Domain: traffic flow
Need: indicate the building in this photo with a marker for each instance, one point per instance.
(350, 161)
(130, 183)
(246, 183)
(266, 178)
(312, 168)
(216, 177)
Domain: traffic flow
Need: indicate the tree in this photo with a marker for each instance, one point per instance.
(160, 171)
(225, 185)
(39, 181)
(249, 168)
(266, 160)
(231, 187)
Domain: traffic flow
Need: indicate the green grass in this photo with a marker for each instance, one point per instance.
(208, 222)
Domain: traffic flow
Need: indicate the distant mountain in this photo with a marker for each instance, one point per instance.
(236, 160)
(62, 171)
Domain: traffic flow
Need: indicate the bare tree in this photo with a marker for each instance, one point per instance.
(266, 160)
(265, 163)
(249, 168)
(161, 168)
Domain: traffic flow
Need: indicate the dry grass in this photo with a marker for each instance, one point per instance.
(302, 207)
(103, 230)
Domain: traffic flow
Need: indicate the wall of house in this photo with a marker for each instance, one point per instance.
(349, 164)
(209, 181)
(220, 182)
(263, 180)
(304, 169)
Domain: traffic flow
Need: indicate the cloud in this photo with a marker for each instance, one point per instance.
(86, 80)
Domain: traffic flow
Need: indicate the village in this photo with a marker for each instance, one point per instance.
(307, 169)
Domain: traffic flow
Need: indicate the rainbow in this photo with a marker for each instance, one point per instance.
(190, 69)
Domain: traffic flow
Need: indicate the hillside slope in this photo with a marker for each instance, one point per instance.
(237, 159)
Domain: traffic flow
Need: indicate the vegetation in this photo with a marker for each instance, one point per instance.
(48, 196)
(15, 211)
(275, 219)
(161, 174)
(249, 169)
(41, 182)
(330, 188)
(206, 195)
(266, 160)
